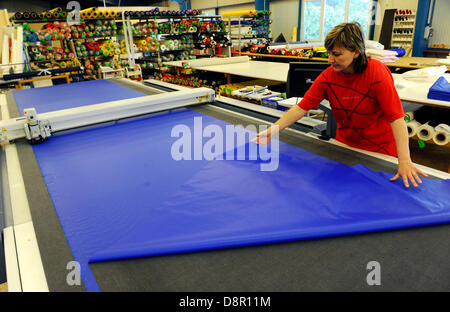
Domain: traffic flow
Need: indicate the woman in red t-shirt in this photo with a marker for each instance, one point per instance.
(365, 104)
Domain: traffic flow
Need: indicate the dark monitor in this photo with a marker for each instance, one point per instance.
(301, 75)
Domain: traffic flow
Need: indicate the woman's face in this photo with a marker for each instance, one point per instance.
(342, 59)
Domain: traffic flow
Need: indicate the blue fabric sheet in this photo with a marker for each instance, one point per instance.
(440, 90)
(119, 194)
(64, 96)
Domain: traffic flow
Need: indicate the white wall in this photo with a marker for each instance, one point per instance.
(201, 4)
(243, 7)
(284, 17)
(441, 23)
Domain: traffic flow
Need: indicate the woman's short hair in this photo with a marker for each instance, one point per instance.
(350, 37)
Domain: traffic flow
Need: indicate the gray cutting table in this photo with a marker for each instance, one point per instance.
(411, 260)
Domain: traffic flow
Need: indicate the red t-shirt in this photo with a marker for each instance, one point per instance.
(364, 104)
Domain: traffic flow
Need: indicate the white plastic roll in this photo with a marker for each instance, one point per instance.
(281, 46)
(412, 126)
(410, 115)
(425, 132)
(441, 138)
(218, 61)
(249, 41)
(442, 127)
(243, 33)
(442, 134)
(304, 45)
(243, 29)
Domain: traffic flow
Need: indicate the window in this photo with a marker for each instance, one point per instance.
(320, 16)
(209, 12)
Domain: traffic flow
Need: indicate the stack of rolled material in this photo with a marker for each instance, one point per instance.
(385, 56)
(429, 123)
(243, 31)
(441, 134)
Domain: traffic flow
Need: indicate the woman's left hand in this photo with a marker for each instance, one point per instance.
(407, 171)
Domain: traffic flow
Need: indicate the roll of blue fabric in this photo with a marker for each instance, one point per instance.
(400, 51)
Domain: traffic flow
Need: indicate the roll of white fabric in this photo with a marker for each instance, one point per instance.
(243, 33)
(410, 115)
(442, 134)
(247, 41)
(241, 29)
(441, 138)
(425, 132)
(304, 45)
(412, 127)
(442, 127)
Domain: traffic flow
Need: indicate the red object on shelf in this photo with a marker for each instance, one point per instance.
(94, 46)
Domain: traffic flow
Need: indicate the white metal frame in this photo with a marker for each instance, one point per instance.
(24, 267)
(66, 119)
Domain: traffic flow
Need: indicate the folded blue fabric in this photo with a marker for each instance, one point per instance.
(440, 90)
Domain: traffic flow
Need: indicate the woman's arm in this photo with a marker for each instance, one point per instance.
(406, 169)
(291, 116)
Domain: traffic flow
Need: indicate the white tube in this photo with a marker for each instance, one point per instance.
(410, 115)
(243, 33)
(412, 127)
(441, 138)
(442, 134)
(304, 45)
(425, 132)
(132, 45)
(126, 37)
(218, 61)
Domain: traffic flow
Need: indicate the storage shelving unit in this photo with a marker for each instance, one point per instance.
(259, 24)
(403, 30)
(176, 36)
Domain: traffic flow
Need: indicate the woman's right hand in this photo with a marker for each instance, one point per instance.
(265, 136)
(289, 117)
